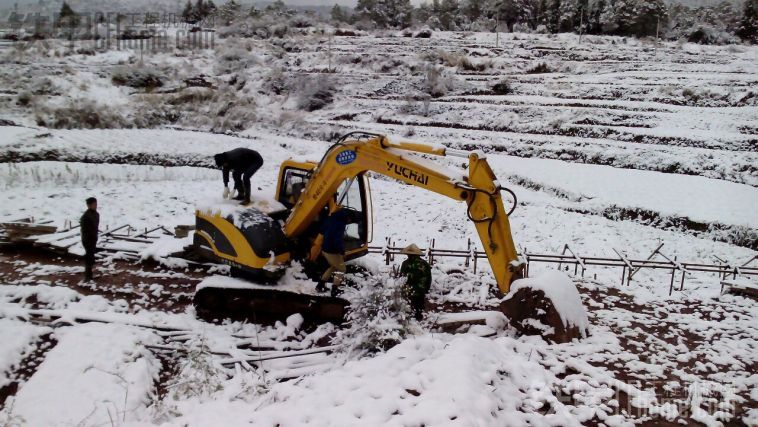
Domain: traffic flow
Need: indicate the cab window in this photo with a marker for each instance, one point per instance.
(293, 185)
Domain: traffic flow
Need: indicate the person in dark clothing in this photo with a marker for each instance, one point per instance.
(418, 279)
(331, 245)
(243, 163)
(89, 224)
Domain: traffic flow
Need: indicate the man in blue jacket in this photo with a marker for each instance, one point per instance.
(332, 248)
(243, 163)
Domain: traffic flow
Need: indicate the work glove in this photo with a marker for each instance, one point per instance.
(226, 193)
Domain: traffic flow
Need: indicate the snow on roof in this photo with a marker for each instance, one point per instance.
(562, 292)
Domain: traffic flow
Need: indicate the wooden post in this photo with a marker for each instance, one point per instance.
(581, 24)
(330, 53)
(657, 30)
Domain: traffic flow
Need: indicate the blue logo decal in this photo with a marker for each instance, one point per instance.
(346, 157)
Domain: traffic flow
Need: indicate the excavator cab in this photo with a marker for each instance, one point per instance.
(353, 195)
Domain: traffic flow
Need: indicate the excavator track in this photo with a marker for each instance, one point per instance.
(261, 305)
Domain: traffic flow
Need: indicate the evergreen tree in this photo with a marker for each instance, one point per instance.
(210, 8)
(386, 13)
(553, 16)
(188, 13)
(542, 13)
(448, 13)
(276, 8)
(580, 15)
(748, 29)
(511, 12)
(229, 12)
(198, 11)
(594, 25)
(67, 16)
(338, 15)
(472, 9)
(619, 17)
(651, 15)
(568, 13)
(422, 13)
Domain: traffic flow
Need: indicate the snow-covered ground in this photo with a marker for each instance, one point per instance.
(617, 147)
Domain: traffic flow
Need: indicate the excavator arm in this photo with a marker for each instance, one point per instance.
(479, 189)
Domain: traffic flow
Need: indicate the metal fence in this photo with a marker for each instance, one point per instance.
(629, 267)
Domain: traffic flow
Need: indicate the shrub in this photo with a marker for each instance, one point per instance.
(465, 63)
(439, 82)
(503, 87)
(315, 93)
(341, 32)
(274, 82)
(199, 375)
(233, 58)
(24, 98)
(138, 77)
(80, 114)
(540, 68)
(378, 317)
(43, 86)
(423, 33)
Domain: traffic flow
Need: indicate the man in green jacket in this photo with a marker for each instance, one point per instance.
(418, 276)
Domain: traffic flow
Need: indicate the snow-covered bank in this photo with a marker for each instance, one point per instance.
(96, 374)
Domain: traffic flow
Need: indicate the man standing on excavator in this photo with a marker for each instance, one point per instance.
(418, 278)
(243, 163)
(331, 245)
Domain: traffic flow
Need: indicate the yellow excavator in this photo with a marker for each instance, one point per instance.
(257, 243)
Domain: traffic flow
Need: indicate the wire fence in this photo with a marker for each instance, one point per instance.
(723, 269)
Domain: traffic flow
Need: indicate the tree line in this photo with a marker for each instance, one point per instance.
(638, 18)
(720, 23)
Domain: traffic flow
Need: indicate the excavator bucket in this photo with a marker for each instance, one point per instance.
(548, 305)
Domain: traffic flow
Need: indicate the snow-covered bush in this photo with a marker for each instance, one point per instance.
(423, 33)
(275, 82)
(79, 114)
(315, 92)
(539, 68)
(138, 77)
(465, 63)
(43, 86)
(199, 376)
(503, 87)
(24, 98)
(379, 317)
(233, 58)
(439, 81)
(192, 95)
(705, 34)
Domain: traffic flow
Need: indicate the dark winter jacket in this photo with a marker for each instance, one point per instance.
(89, 224)
(334, 232)
(418, 275)
(239, 159)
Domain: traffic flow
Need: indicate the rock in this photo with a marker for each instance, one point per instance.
(548, 305)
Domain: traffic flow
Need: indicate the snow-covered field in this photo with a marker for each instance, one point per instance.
(619, 146)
